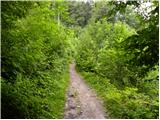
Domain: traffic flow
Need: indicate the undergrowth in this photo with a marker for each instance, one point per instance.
(127, 103)
(42, 97)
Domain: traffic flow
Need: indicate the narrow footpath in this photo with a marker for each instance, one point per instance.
(82, 102)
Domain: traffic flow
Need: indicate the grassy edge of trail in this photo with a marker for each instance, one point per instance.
(35, 97)
(124, 103)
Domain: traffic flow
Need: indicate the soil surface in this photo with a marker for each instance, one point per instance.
(82, 102)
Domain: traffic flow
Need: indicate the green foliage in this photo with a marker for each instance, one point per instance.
(41, 97)
(35, 57)
(143, 45)
(100, 51)
(121, 62)
(11, 11)
(31, 52)
(127, 103)
(79, 13)
(39, 39)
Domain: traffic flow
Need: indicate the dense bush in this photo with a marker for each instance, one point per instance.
(100, 51)
(126, 103)
(129, 87)
(35, 56)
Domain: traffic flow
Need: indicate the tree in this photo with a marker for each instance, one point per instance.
(144, 45)
(79, 13)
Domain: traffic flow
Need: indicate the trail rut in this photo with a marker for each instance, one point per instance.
(82, 102)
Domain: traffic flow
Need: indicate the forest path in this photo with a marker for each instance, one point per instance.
(82, 102)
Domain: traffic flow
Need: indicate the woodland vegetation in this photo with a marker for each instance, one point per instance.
(114, 45)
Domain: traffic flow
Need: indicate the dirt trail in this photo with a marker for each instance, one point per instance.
(82, 102)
